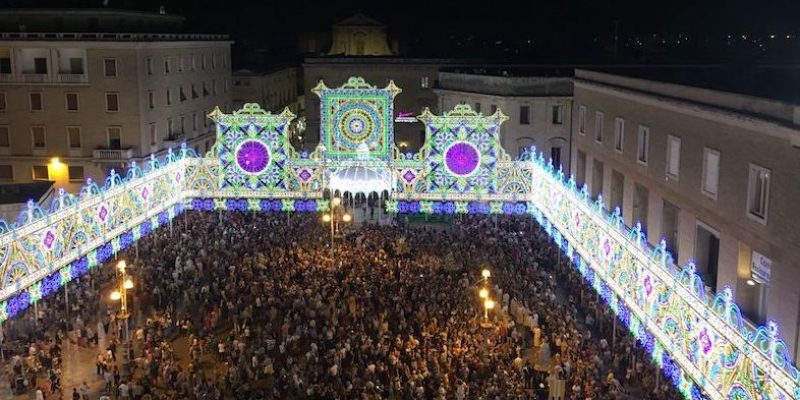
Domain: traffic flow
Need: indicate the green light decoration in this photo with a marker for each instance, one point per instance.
(702, 344)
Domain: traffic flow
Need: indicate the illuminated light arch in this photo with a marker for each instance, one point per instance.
(702, 344)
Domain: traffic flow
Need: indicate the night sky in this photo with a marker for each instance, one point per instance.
(570, 30)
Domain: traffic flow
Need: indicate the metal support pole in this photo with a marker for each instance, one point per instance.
(66, 300)
(35, 314)
(614, 335)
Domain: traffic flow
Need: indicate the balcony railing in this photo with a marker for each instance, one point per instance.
(72, 78)
(112, 154)
(5, 77)
(104, 36)
(34, 78)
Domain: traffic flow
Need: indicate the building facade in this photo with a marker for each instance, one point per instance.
(74, 105)
(712, 173)
(273, 90)
(538, 108)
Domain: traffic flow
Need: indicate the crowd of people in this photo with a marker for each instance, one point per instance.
(259, 306)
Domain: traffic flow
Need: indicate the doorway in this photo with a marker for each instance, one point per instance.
(669, 227)
(617, 190)
(640, 198)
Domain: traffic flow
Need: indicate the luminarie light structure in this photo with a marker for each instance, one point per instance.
(703, 345)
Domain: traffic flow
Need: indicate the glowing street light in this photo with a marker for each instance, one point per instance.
(488, 304)
(326, 218)
(346, 218)
(483, 293)
(486, 274)
(116, 295)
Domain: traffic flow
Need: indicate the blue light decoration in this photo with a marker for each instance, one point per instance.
(702, 344)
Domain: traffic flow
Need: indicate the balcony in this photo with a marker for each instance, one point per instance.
(28, 77)
(72, 78)
(112, 155)
(5, 77)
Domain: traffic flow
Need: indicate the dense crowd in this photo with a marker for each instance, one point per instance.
(266, 309)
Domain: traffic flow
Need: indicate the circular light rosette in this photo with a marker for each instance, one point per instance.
(253, 157)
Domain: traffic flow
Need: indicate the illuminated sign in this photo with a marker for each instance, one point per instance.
(405, 117)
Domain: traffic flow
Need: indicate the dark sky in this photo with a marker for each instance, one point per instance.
(558, 29)
(520, 16)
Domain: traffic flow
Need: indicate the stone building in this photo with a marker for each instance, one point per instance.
(538, 107)
(75, 103)
(713, 173)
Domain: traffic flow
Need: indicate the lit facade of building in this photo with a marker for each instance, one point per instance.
(538, 108)
(100, 101)
(714, 174)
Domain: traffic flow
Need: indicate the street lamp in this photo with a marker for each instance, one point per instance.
(486, 274)
(488, 304)
(483, 293)
(121, 294)
(332, 216)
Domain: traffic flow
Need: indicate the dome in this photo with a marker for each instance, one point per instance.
(360, 179)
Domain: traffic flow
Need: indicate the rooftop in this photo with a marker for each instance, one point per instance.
(776, 82)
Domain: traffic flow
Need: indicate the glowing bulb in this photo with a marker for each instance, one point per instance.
(489, 304)
(483, 293)
(337, 201)
(55, 161)
(122, 265)
(486, 273)
(116, 295)
(326, 218)
(750, 282)
(346, 218)
(128, 284)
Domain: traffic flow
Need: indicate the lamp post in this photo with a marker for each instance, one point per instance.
(488, 304)
(332, 217)
(121, 294)
(483, 294)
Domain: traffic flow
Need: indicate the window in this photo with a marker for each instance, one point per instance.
(758, 193)
(6, 173)
(181, 94)
(477, 107)
(166, 65)
(110, 67)
(205, 89)
(5, 137)
(75, 173)
(710, 172)
(194, 91)
(493, 109)
(558, 115)
(599, 121)
(619, 134)
(194, 121)
(74, 137)
(203, 62)
(213, 61)
(148, 62)
(36, 101)
(3, 103)
(40, 173)
(151, 99)
(39, 137)
(582, 120)
(112, 102)
(673, 156)
(76, 65)
(225, 87)
(183, 124)
(643, 145)
(524, 115)
(72, 101)
(555, 157)
(192, 62)
(40, 65)
(170, 127)
(224, 60)
(424, 82)
(114, 137)
(169, 97)
(153, 134)
(5, 65)
(180, 64)
(214, 87)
